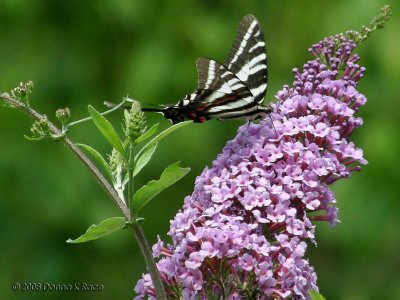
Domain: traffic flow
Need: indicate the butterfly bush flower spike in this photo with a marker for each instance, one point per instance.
(243, 232)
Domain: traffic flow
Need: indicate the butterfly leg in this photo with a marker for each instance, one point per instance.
(273, 126)
(245, 134)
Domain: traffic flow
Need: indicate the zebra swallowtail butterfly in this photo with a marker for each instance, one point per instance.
(234, 90)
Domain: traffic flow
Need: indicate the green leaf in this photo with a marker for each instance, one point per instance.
(315, 295)
(147, 192)
(144, 159)
(161, 135)
(33, 139)
(100, 159)
(107, 130)
(106, 227)
(149, 133)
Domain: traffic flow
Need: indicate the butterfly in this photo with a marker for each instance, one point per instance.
(233, 90)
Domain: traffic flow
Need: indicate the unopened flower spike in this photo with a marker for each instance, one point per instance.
(135, 124)
(376, 23)
(334, 51)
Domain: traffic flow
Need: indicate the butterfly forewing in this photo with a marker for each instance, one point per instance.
(248, 59)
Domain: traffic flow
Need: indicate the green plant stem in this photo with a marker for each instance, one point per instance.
(131, 167)
(89, 118)
(137, 230)
(151, 265)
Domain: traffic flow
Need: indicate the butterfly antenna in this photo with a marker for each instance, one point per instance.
(128, 106)
(109, 104)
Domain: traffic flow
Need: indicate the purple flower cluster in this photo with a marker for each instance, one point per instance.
(242, 233)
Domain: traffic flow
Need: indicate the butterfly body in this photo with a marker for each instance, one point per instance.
(233, 90)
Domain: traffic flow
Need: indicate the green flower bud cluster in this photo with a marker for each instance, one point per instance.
(23, 91)
(41, 129)
(135, 124)
(114, 161)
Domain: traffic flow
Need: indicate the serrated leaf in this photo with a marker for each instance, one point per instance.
(147, 192)
(107, 130)
(104, 228)
(100, 159)
(148, 134)
(144, 159)
(315, 295)
(162, 135)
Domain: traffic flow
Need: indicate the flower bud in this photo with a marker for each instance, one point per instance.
(63, 115)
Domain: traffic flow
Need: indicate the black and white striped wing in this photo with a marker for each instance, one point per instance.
(247, 58)
(218, 86)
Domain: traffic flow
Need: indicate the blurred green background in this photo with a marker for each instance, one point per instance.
(84, 52)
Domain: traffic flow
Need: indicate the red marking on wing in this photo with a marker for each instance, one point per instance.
(202, 119)
(205, 105)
